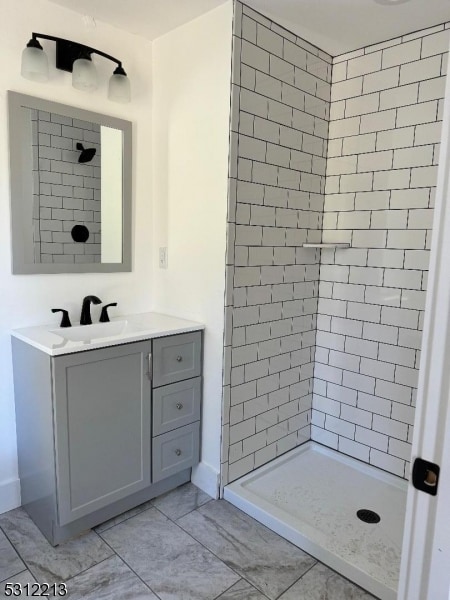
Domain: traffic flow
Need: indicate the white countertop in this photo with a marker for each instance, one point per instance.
(132, 328)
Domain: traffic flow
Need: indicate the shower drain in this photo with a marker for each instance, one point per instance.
(368, 516)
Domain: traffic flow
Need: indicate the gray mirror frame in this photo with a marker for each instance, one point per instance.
(19, 265)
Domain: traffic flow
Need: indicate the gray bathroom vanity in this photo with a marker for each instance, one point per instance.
(105, 423)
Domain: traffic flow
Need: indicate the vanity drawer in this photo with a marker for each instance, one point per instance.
(176, 405)
(175, 451)
(176, 358)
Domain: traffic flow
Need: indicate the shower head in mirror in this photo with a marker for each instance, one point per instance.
(87, 154)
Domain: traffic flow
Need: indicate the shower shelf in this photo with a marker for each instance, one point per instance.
(326, 245)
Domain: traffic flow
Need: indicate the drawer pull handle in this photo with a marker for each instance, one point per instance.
(179, 405)
(178, 452)
(179, 358)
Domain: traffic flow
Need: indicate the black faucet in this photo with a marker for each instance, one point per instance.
(85, 318)
(65, 321)
(104, 317)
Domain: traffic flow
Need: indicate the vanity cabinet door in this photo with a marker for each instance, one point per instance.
(102, 401)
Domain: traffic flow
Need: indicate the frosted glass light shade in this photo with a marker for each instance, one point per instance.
(119, 89)
(84, 75)
(34, 64)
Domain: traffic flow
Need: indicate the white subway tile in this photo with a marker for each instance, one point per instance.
(366, 275)
(363, 312)
(390, 427)
(330, 340)
(409, 239)
(382, 80)
(372, 438)
(350, 256)
(410, 338)
(341, 165)
(346, 326)
(413, 299)
(383, 295)
(249, 29)
(354, 220)
(358, 382)
(362, 105)
(408, 279)
(413, 157)
(294, 54)
(344, 127)
(268, 40)
(354, 449)
(369, 239)
(395, 138)
(342, 291)
(341, 394)
(380, 333)
(400, 449)
(418, 198)
(254, 57)
(375, 161)
(328, 373)
(343, 360)
(372, 200)
(400, 317)
(387, 462)
(379, 121)
(393, 391)
(357, 416)
(428, 134)
(359, 144)
(397, 355)
(346, 89)
(436, 43)
(390, 219)
(356, 183)
(424, 177)
(401, 96)
(406, 376)
(401, 53)
(420, 70)
(379, 369)
(374, 404)
(432, 89)
(361, 347)
(326, 405)
(364, 64)
(385, 258)
(339, 202)
(417, 114)
(389, 180)
(340, 427)
(322, 436)
(403, 413)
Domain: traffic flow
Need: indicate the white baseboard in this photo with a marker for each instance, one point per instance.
(207, 479)
(9, 495)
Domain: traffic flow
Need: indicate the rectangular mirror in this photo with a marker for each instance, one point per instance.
(70, 188)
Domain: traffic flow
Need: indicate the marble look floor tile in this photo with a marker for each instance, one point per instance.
(21, 578)
(109, 580)
(181, 501)
(321, 583)
(174, 565)
(242, 590)
(266, 560)
(45, 562)
(10, 563)
(123, 517)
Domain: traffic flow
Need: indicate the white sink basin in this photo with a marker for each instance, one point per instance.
(87, 333)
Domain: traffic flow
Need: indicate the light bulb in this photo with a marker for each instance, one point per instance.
(34, 62)
(119, 89)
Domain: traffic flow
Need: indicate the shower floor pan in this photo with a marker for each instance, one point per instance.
(311, 495)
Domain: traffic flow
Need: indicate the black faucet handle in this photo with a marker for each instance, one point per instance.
(104, 317)
(65, 321)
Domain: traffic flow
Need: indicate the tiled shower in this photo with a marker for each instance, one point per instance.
(324, 344)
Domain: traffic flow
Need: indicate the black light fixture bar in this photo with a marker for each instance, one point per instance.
(67, 52)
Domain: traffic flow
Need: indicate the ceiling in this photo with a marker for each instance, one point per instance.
(336, 26)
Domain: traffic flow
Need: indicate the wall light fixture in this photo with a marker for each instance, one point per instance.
(76, 59)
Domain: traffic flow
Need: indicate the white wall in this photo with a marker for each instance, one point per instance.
(192, 71)
(26, 300)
